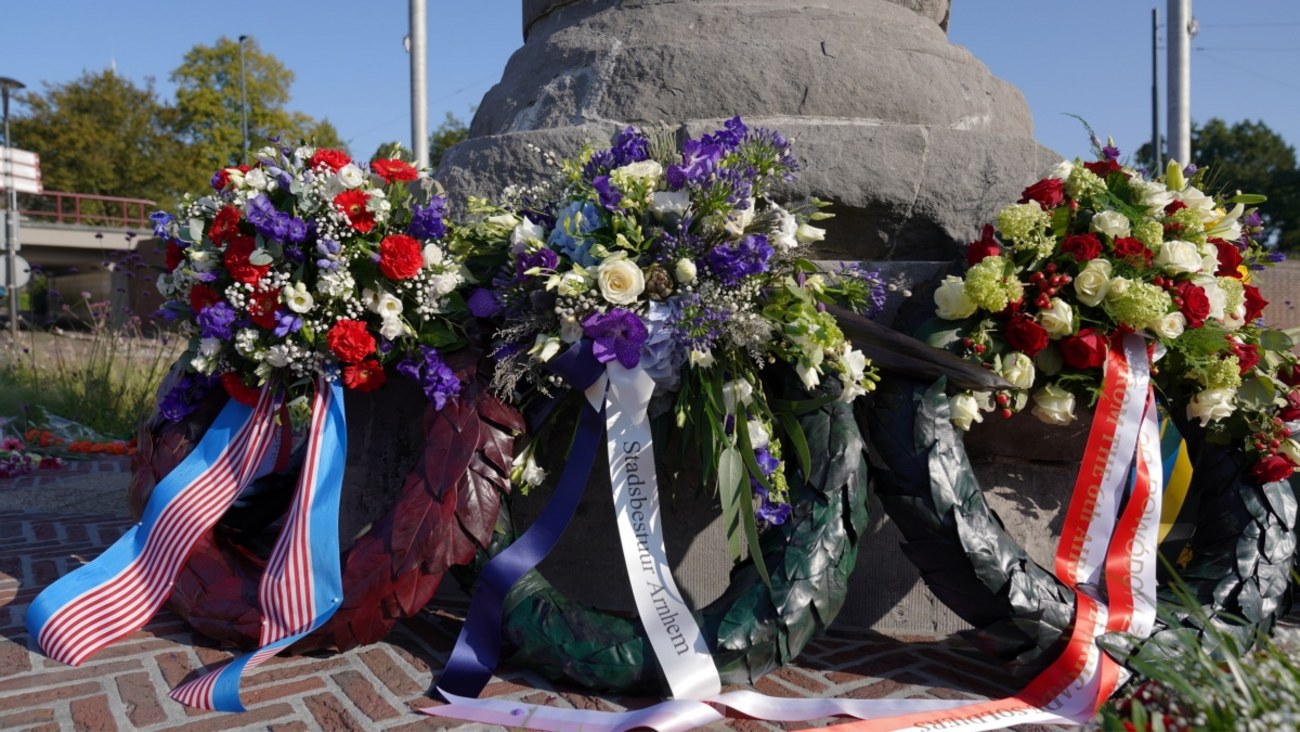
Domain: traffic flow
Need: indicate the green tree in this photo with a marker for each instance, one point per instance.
(393, 149)
(451, 131)
(1250, 157)
(207, 115)
(100, 134)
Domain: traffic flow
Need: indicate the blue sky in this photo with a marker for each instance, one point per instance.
(1091, 58)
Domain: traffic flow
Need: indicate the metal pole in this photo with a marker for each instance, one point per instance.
(243, 96)
(1157, 161)
(419, 85)
(11, 213)
(1180, 80)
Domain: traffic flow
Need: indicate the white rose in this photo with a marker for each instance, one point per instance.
(643, 171)
(758, 437)
(1054, 405)
(685, 271)
(351, 176)
(1179, 257)
(1018, 368)
(298, 299)
(256, 179)
(1212, 405)
(807, 234)
(1057, 320)
(783, 236)
(1062, 170)
(442, 284)
(663, 203)
(965, 410)
(433, 255)
(525, 232)
(1111, 223)
(277, 355)
(392, 328)
(621, 281)
(1195, 198)
(951, 300)
(1152, 195)
(1170, 326)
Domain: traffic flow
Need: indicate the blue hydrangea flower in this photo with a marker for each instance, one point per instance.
(572, 226)
(662, 355)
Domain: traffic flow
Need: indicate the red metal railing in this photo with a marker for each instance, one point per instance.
(87, 209)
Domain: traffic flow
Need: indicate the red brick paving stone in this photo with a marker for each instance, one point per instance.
(972, 684)
(140, 695)
(294, 726)
(293, 688)
(540, 697)
(214, 721)
(502, 688)
(802, 680)
(282, 668)
(427, 723)
(175, 666)
(587, 701)
(972, 666)
(92, 714)
(958, 694)
(131, 646)
(330, 713)
(885, 687)
(769, 686)
(14, 658)
(211, 656)
(882, 665)
(363, 694)
(394, 677)
(49, 678)
(34, 698)
(29, 716)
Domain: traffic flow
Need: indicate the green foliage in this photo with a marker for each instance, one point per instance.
(451, 131)
(1250, 157)
(391, 150)
(101, 134)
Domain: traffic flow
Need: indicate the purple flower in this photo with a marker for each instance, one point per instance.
(663, 354)
(184, 396)
(699, 160)
(619, 334)
(733, 261)
(261, 213)
(766, 461)
(767, 511)
(630, 146)
(435, 377)
(427, 221)
(543, 259)
(161, 220)
(570, 235)
(286, 322)
(217, 321)
(297, 230)
(483, 303)
(730, 136)
(1110, 152)
(609, 193)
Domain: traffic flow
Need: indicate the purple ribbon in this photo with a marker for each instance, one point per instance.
(478, 649)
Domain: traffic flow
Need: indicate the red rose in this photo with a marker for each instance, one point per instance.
(1229, 258)
(1289, 373)
(353, 205)
(400, 257)
(1247, 354)
(1291, 412)
(1048, 192)
(234, 385)
(1126, 247)
(365, 376)
(393, 170)
(350, 341)
(1194, 303)
(202, 296)
(173, 255)
(261, 308)
(1255, 303)
(237, 264)
(1103, 168)
(987, 246)
(335, 159)
(1025, 334)
(1272, 468)
(225, 226)
(1174, 207)
(1082, 246)
(1084, 351)
(222, 178)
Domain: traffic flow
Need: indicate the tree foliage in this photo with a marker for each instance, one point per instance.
(1249, 156)
(100, 134)
(451, 131)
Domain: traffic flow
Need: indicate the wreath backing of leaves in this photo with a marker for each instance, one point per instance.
(444, 513)
(750, 629)
(1242, 548)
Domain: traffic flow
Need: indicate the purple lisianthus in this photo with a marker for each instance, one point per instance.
(572, 226)
(767, 462)
(769, 512)
(543, 259)
(427, 221)
(733, 261)
(297, 233)
(217, 321)
(161, 220)
(183, 398)
(619, 335)
(609, 193)
(483, 303)
(435, 377)
(261, 213)
(286, 322)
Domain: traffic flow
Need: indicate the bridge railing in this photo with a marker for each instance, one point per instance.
(87, 209)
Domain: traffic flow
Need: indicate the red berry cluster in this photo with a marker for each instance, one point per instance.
(1048, 285)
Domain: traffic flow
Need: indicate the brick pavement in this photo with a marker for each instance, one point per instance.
(373, 688)
(106, 465)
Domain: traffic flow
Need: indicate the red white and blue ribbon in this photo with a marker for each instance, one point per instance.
(118, 592)
(1098, 542)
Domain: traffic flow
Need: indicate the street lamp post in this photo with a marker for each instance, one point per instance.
(243, 96)
(11, 215)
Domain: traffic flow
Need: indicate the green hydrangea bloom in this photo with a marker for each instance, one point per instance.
(990, 287)
(1135, 303)
(1023, 224)
(1193, 229)
(1150, 232)
(1234, 293)
(1083, 184)
(1221, 373)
